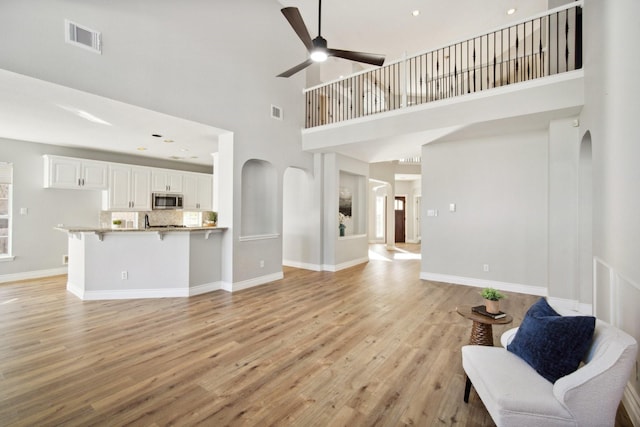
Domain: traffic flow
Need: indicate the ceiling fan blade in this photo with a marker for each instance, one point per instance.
(295, 20)
(367, 58)
(290, 72)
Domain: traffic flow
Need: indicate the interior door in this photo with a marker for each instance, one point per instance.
(400, 208)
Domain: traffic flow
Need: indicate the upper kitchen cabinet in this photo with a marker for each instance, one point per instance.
(166, 181)
(198, 191)
(71, 173)
(129, 188)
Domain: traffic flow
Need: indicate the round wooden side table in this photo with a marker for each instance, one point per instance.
(482, 327)
(481, 333)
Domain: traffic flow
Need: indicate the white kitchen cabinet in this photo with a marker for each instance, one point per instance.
(129, 188)
(197, 190)
(71, 173)
(163, 180)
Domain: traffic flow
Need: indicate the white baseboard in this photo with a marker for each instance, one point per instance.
(75, 290)
(204, 288)
(141, 293)
(303, 265)
(483, 283)
(32, 274)
(631, 402)
(246, 284)
(342, 266)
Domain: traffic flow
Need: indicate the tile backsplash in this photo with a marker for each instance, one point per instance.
(136, 219)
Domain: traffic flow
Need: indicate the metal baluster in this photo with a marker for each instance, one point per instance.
(578, 38)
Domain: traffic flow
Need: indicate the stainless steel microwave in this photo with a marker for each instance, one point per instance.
(166, 201)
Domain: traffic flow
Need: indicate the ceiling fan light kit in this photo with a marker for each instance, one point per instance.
(318, 55)
(317, 48)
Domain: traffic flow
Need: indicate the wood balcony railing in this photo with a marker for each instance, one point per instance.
(540, 46)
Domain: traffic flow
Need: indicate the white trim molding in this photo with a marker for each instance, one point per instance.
(142, 293)
(302, 265)
(204, 288)
(32, 274)
(631, 402)
(342, 266)
(256, 281)
(483, 283)
(258, 237)
(617, 290)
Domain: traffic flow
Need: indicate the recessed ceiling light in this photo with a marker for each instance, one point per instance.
(141, 148)
(184, 150)
(511, 11)
(415, 12)
(168, 140)
(156, 135)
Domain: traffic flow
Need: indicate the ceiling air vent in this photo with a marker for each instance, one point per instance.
(82, 36)
(276, 112)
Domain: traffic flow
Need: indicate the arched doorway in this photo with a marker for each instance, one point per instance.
(585, 221)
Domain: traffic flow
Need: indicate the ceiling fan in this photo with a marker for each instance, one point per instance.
(318, 50)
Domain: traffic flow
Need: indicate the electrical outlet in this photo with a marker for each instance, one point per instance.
(124, 275)
(485, 267)
(261, 263)
(65, 259)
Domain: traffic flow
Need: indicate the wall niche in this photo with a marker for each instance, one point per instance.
(352, 203)
(259, 199)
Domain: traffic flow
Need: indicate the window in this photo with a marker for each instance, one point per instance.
(6, 172)
(380, 207)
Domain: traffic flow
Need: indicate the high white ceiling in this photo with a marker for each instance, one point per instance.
(39, 111)
(35, 110)
(389, 27)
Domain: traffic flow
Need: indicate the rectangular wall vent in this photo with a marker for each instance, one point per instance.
(81, 36)
(276, 112)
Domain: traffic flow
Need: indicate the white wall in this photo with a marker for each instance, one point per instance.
(499, 186)
(610, 116)
(301, 221)
(564, 147)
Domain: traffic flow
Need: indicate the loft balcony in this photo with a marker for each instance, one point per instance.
(530, 70)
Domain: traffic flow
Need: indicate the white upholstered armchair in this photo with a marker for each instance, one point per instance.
(516, 395)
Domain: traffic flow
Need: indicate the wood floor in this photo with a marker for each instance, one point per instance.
(368, 346)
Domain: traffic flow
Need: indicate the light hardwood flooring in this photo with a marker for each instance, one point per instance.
(372, 345)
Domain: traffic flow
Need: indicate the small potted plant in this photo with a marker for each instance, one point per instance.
(492, 299)
(117, 223)
(342, 219)
(212, 220)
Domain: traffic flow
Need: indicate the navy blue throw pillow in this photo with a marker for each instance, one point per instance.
(552, 344)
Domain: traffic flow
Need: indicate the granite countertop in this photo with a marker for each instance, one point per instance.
(79, 229)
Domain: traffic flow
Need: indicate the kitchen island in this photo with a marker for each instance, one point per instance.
(126, 263)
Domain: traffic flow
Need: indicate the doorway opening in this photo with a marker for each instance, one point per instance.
(401, 214)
